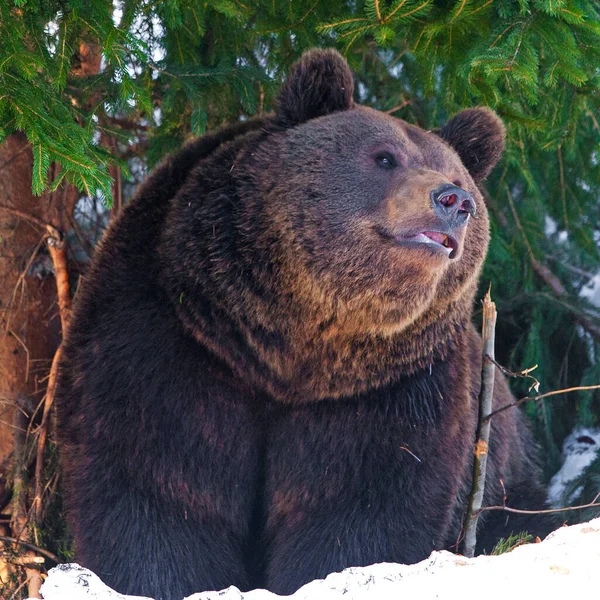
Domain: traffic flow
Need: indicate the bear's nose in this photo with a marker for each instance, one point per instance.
(452, 204)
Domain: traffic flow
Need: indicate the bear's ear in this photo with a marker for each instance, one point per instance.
(320, 83)
(478, 136)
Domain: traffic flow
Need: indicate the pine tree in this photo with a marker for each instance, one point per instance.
(93, 93)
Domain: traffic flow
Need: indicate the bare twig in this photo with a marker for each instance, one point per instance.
(26, 561)
(547, 511)
(27, 353)
(24, 215)
(29, 546)
(524, 374)
(19, 517)
(518, 222)
(398, 107)
(84, 242)
(486, 396)
(21, 279)
(43, 435)
(543, 272)
(580, 388)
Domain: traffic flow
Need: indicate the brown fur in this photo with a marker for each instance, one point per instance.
(345, 316)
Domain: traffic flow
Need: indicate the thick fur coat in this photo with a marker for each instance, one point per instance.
(271, 372)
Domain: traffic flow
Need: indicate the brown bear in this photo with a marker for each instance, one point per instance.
(271, 372)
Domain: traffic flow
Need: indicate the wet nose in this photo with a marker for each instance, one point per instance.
(453, 204)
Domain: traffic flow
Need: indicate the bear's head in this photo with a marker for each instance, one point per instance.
(357, 237)
(371, 211)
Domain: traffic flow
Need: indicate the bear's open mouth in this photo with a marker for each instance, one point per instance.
(435, 239)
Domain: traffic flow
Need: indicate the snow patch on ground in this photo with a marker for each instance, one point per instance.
(580, 449)
(563, 565)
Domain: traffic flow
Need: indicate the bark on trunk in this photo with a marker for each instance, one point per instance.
(29, 328)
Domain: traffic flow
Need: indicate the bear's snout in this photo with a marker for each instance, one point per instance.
(452, 204)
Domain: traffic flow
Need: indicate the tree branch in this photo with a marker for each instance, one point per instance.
(57, 248)
(580, 388)
(24, 215)
(56, 245)
(29, 546)
(486, 396)
(547, 276)
(547, 511)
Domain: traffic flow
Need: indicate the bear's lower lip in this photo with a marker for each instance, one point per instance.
(435, 240)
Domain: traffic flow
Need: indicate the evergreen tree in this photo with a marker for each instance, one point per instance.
(94, 92)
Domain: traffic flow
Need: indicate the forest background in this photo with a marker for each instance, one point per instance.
(94, 92)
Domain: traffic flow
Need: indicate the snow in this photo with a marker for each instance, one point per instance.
(591, 290)
(563, 565)
(580, 448)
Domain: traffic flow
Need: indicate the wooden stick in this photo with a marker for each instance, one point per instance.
(19, 518)
(579, 388)
(57, 248)
(24, 215)
(43, 436)
(29, 546)
(546, 511)
(486, 396)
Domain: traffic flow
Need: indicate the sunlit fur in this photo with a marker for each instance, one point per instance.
(260, 386)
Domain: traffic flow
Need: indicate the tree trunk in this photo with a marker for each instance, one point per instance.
(30, 318)
(29, 329)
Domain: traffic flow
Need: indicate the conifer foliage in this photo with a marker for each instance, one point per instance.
(171, 70)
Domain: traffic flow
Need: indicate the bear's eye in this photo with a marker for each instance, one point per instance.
(385, 160)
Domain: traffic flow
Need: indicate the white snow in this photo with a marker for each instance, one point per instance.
(580, 449)
(564, 565)
(591, 290)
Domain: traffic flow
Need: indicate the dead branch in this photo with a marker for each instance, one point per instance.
(546, 275)
(57, 248)
(26, 349)
(486, 396)
(524, 374)
(19, 517)
(26, 561)
(547, 511)
(43, 436)
(579, 388)
(21, 279)
(24, 215)
(56, 245)
(398, 107)
(33, 547)
(84, 242)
